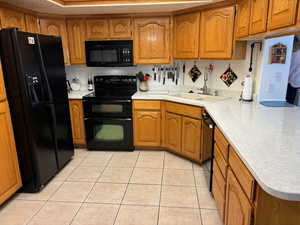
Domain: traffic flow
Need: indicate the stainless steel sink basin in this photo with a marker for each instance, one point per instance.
(199, 97)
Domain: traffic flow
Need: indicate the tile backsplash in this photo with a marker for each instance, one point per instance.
(240, 67)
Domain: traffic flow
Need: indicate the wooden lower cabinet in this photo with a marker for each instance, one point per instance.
(173, 132)
(238, 210)
(191, 138)
(273, 211)
(10, 180)
(77, 121)
(147, 128)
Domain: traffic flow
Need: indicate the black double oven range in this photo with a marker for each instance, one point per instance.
(108, 113)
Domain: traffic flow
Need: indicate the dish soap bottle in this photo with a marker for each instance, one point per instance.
(90, 84)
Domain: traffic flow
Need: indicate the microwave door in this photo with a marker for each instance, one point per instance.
(103, 56)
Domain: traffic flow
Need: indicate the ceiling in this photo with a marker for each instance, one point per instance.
(73, 7)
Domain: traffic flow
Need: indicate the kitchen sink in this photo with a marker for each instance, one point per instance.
(199, 97)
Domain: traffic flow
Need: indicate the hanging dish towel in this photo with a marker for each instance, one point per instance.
(195, 73)
(229, 77)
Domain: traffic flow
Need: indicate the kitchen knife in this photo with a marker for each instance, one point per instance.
(159, 73)
(164, 75)
(177, 73)
(154, 72)
(183, 71)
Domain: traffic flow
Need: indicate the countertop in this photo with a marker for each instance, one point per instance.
(266, 139)
(78, 94)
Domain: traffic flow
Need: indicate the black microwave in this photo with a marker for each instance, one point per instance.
(109, 53)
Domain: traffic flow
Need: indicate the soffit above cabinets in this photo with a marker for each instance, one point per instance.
(73, 7)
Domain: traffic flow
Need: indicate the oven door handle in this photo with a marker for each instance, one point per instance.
(106, 101)
(97, 118)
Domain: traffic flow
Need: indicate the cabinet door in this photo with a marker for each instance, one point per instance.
(173, 132)
(238, 210)
(191, 138)
(77, 121)
(11, 18)
(10, 179)
(97, 29)
(120, 28)
(31, 24)
(242, 21)
(76, 30)
(56, 27)
(282, 13)
(298, 14)
(186, 36)
(147, 128)
(2, 85)
(259, 15)
(217, 33)
(152, 40)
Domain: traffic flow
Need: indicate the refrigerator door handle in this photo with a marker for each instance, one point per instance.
(44, 72)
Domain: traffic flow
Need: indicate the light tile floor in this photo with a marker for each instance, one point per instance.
(119, 188)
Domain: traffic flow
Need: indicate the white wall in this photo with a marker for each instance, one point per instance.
(240, 67)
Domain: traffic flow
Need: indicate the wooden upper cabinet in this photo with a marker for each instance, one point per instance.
(120, 28)
(173, 131)
(298, 14)
(242, 21)
(56, 27)
(97, 29)
(238, 209)
(258, 17)
(76, 33)
(152, 40)
(10, 179)
(11, 18)
(191, 137)
(186, 36)
(2, 85)
(77, 122)
(31, 23)
(282, 13)
(216, 36)
(147, 128)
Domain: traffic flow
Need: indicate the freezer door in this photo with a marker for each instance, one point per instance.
(53, 59)
(31, 108)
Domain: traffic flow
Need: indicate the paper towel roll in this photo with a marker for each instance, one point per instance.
(248, 88)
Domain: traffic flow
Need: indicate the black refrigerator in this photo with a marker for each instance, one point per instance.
(35, 80)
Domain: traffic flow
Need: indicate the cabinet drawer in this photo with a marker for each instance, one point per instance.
(222, 143)
(220, 161)
(219, 179)
(186, 110)
(146, 105)
(219, 198)
(243, 175)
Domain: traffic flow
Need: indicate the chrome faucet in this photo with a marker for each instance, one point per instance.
(204, 90)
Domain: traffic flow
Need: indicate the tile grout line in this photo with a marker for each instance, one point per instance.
(199, 207)
(81, 204)
(126, 189)
(48, 200)
(161, 187)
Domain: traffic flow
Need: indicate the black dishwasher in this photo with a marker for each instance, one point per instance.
(208, 142)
